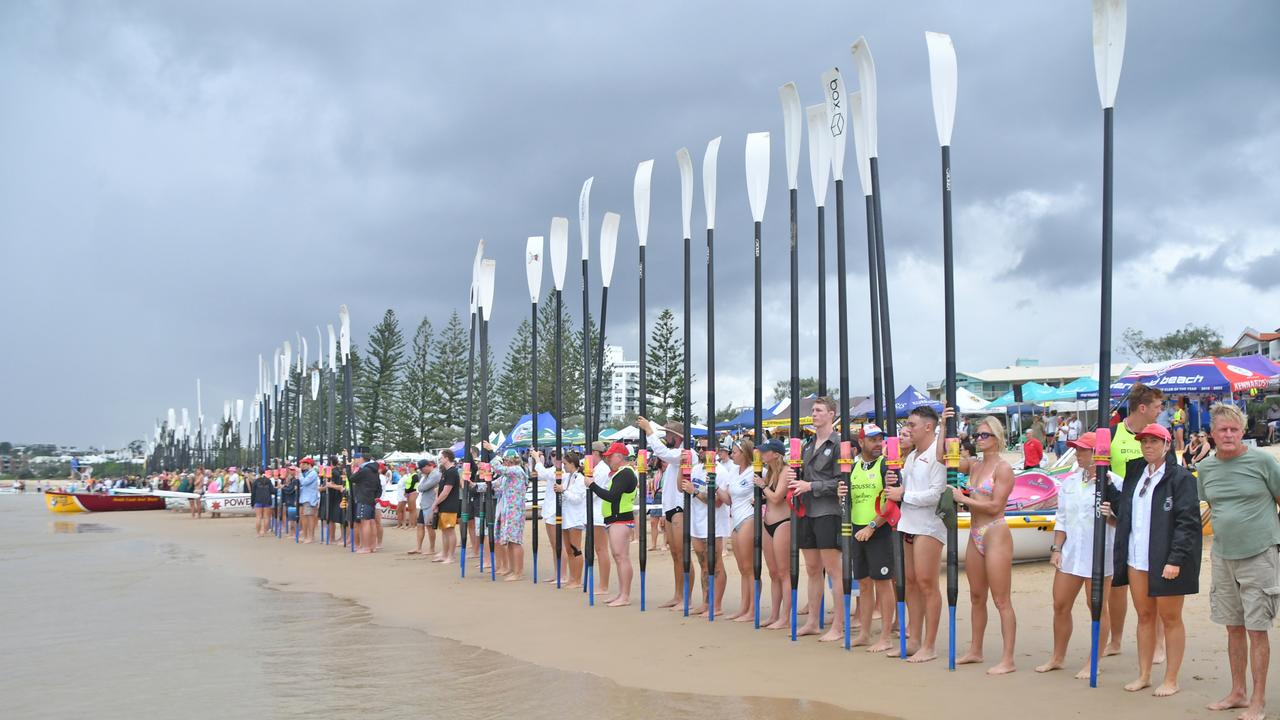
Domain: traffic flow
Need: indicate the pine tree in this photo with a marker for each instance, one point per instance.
(446, 387)
(379, 382)
(664, 370)
(411, 418)
(511, 392)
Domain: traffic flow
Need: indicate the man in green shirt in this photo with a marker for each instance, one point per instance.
(872, 540)
(1242, 487)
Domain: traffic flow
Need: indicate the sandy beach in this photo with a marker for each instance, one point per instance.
(662, 650)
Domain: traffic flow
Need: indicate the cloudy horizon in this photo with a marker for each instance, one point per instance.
(188, 185)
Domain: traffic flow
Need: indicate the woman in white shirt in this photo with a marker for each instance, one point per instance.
(573, 501)
(696, 486)
(1072, 551)
(738, 481)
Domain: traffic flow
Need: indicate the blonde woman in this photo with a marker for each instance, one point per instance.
(741, 489)
(988, 560)
(777, 533)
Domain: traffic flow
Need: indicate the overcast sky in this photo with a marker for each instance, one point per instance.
(186, 185)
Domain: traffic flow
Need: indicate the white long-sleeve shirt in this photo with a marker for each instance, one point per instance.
(924, 479)
(672, 498)
(573, 501)
(547, 478)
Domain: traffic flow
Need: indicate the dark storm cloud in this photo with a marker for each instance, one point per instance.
(188, 184)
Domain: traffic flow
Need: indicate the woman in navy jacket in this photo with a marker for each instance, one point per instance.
(1157, 551)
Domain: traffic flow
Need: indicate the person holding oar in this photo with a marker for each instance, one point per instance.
(573, 497)
(872, 539)
(737, 477)
(618, 514)
(509, 483)
(818, 531)
(699, 510)
(988, 560)
(777, 532)
(668, 447)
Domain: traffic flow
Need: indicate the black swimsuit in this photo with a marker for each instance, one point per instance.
(771, 527)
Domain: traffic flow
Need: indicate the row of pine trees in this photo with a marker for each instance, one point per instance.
(412, 395)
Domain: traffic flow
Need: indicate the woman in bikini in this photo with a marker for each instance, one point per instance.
(988, 561)
(741, 489)
(777, 533)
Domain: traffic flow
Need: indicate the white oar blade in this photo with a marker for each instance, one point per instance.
(287, 361)
(315, 384)
(685, 162)
(239, 411)
(792, 130)
(1109, 21)
(757, 156)
(837, 119)
(173, 421)
(533, 266)
(333, 348)
(559, 249)
(344, 332)
(640, 194)
(319, 348)
(819, 151)
(942, 81)
(858, 118)
(475, 275)
(306, 356)
(608, 246)
(584, 218)
(709, 181)
(488, 268)
(867, 86)
(226, 411)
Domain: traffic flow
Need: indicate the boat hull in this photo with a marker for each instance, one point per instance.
(63, 502)
(1032, 534)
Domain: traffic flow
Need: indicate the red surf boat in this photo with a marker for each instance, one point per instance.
(65, 502)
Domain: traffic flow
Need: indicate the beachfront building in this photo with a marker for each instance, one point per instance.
(1252, 342)
(624, 385)
(991, 384)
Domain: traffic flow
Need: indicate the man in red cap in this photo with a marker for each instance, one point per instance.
(872, 547)
(617, 503)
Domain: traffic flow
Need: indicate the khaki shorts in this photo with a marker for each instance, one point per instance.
(446, 521)
(1246, 592)
(308, 509)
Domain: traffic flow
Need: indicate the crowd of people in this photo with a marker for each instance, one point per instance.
(1152, 505)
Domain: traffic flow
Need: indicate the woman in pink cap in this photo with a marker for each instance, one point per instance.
(1157, 551)
(1072, 550)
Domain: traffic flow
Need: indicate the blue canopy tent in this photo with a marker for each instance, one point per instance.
(1032, 393)
(909, 399)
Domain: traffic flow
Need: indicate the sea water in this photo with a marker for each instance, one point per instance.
(98, 624)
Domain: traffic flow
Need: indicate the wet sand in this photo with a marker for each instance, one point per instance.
(662, 650)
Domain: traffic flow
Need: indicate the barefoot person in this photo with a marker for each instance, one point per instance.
(668, 448)
(1145, 405)
(988, 559)
(1157, 552)
(573, 499)
(619, 519)
(447, 504)
(308, 500)
(1072, 551)
(738, 479)
(924, 478)
(696, 486)
(600, 536)
(509, 484)
(1242, 487)
(776, 543)
(427, 485)
(872, 539)
(262, 494)
(819, 527)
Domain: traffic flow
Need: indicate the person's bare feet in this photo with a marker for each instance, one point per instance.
(831, 635)
(803, 610)
(1053, 664)
(969, 658)
(511, 577)
(1158, 657)
(1085, 673)
(699, 610)
(1166, 689)
(413, 552)
(808, 629)
(363, 552)
(307, 542)
(619, 602)
(745, 617)
(670, 603)
(1252, 713)
(859, 640)
(1136, 685)
(1231, 701)
(779, 624)
(923, 655)
(1002, 668)
(911, 649)
(1111, 649)
(882, 646)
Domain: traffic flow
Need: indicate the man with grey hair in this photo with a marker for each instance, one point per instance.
(1242, 487)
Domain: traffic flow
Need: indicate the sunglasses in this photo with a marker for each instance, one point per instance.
(1146, 485)
(984, 435)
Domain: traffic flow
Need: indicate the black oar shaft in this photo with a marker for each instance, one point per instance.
(687, 553)
(949, 381)
(641, 462)
(559, 399)
(712, 551)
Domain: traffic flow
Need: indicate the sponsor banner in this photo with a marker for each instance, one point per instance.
(228, 503)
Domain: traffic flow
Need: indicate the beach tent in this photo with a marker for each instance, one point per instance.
(1199, 376)
(1032, 393)
(780, 414)
(631, 432)
(969, 403)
